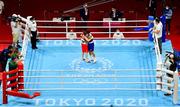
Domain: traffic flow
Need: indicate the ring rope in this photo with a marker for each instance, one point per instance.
(84, 70)
(168, 78)
(97, 38)
(88, 89)
(135, 76)
(48, 21)
(91, 83)
(91, 26)
(140, 32)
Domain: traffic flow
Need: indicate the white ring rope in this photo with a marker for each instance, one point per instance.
(81, 70)
(168, 71)
(134, 76)
(49, 21)
(89, 89)
(44, 89)
(52, 83)
(91, 26)
(167, 91)
(97, 38)
(168, 78)
(93, 83)
(168, 84)
(132, 32)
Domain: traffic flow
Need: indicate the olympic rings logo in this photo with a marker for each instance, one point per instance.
(102, 64)
(88, 69)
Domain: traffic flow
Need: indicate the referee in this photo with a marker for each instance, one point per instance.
(33, 30)
(157, 30)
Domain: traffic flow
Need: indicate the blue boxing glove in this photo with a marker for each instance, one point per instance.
(140, 29)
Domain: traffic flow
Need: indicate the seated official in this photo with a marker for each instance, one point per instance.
(118, 35)
(115, 14)
(71, 35)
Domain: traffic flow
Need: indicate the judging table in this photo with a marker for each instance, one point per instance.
(109, 22)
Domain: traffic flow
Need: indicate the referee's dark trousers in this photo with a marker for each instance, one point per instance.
(160, 44)
(33, 39)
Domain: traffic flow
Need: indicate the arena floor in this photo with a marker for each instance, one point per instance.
(127, 67)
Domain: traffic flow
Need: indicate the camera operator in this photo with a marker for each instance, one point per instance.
(170, 64)
(16, 30)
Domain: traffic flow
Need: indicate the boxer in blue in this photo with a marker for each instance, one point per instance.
(89, 38)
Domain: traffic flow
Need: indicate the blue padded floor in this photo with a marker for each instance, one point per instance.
(115, 61)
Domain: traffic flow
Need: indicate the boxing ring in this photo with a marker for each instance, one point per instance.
(128, 72)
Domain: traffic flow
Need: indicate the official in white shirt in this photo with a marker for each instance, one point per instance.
(157, 32)
(118, 35)
(71, 35)
(33, 29)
